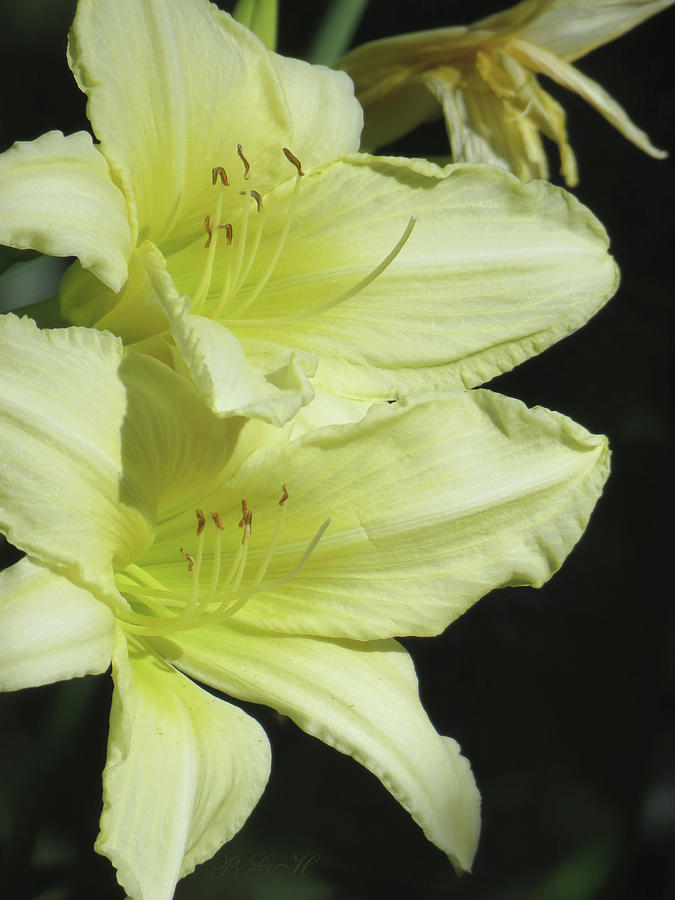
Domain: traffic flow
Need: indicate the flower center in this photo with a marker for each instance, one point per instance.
(240, 258)
(241, 243)
(151, 608)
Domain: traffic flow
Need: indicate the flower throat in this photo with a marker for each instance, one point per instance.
(241, 244)
(153, 609)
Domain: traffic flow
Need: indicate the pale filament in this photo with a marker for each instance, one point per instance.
(169, 611)
(212, 230)
(281, 243)
(232, 281)
(236, 270)
(212, 225)
(341, 298)
(241, 259)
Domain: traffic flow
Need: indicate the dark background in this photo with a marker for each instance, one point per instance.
(562, 698)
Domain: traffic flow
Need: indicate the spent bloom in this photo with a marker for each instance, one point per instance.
(225, 225)
(276, 571)
(484, 79)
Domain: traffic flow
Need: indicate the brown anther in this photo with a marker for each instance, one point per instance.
(201, 521)
(284, 496)
(219, 172)
(247, 526)
(240, 153)
(228, 232)
(294, 160)
(258, 199)
(217, 520)
(244, 512)
(189, 559)
(207, 226)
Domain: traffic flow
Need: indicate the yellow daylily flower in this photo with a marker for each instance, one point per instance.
(484, 77)
(225, 225)
(133, 555)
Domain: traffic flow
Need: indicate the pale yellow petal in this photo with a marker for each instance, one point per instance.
(184, 771)
(571, 78)
(174, 88)
(50, 629)
(359, 697)
(430, 505)
(84, 440)
(230, 382)
(62, 407)
(572, 28)
(57, 197)
(135, 313)
(493, 272)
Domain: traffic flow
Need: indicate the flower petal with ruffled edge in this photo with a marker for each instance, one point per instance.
(50, 629)
(431, 506)
(493, 272)
(57, 197)
(183, 773)
(433, 503)
(370, 346)
(482, 283)
(174, 88)
(360, 698)
(81, 492)
(155, 75)
(62, 466)
(223, 374)
(270, 383)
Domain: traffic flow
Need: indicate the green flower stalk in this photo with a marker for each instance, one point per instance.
(226, 226)
(348, 536)
(483, 79)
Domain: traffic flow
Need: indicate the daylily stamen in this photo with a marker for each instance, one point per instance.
(143, 577)
(196, 569)
(218, 616)
(228, 232)
(293, 160)
(341, 298)
(243, 275)
(219, 172)
(247, 527)
(262, 283)
(234, 276)
(128, 582)
(275, 537)
(211, 245)
(168, 611)
(207, 226)
(232, 279)
(215, 571)
(244, 512)
(201, 521)
(236, 272)
(241, 156)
